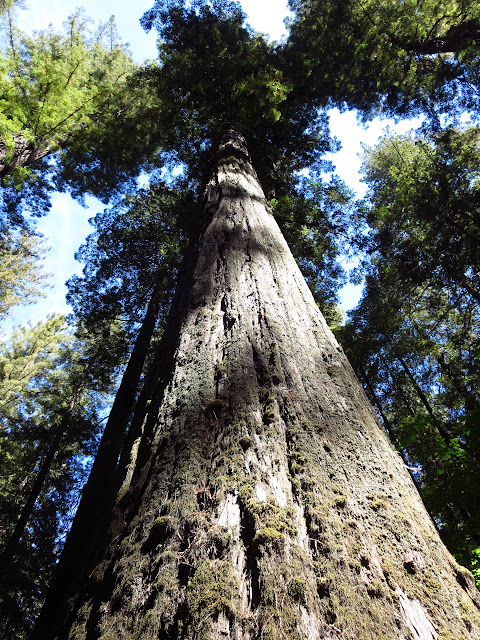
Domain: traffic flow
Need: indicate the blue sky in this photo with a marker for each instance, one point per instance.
(67, 224)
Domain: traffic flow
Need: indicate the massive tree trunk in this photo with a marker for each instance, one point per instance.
(266, 502)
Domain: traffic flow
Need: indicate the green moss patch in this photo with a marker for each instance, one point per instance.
(211, 590)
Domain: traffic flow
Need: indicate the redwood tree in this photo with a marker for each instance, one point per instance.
(265, 501)
(257, 496)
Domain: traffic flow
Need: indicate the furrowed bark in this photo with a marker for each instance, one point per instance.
(266, 501)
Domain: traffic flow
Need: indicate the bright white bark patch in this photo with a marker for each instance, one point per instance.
(416, 618)
(278, 491)
(229, 513)
(260, 493)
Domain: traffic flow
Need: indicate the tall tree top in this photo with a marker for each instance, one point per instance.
(214, 72)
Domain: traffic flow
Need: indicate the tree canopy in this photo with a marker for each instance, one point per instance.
(399, 58)
(67, 108)
(414, 337)
(22, 278)
(53, 394)
(76, 113)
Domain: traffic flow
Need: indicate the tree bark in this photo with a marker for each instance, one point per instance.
(267, 502)
(27, 153)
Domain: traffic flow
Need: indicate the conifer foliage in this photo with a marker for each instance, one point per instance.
(414, 338)
(241, 486)
(50, 418)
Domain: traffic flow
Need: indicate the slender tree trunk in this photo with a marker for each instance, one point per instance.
(418, 390)
(374, 398)
(267, 502)
(27, 509)
(97, 493)
(442, 430)
(444, 433)
(41, 476)
(398, 387)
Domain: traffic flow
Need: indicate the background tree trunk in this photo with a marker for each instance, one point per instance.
(97, 492)
(266, 502)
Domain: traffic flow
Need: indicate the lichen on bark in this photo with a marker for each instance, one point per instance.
(265, 502)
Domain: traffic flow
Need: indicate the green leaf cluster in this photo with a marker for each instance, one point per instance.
(425, 195)
(402, 57)
(22, 278)
(214, 72)
(69, 97)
